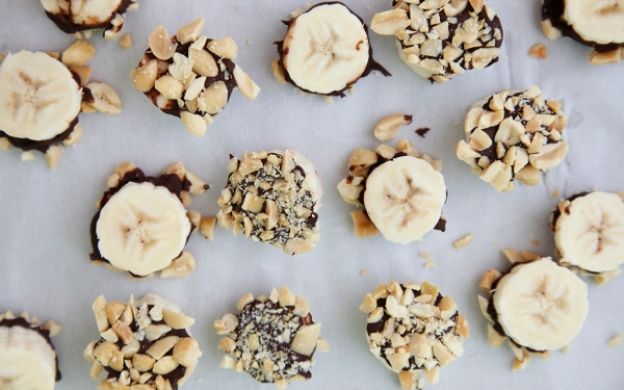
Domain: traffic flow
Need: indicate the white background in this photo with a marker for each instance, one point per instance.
(45, 216)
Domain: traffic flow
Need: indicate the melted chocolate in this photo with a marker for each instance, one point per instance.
(371, 66)
(65, 23)
(41, 146)
(21, 322)
(170, 181)
(422, 131)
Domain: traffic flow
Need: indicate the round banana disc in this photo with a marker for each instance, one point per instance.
(326, 49)
(39, 97)
(541, 305)
(404, 198)
(142, 228)
(599, 21)
(26, 360)
(590, 235)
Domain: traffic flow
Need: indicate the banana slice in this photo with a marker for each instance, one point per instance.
(39, 98)
(589, 231)
(27, 358)
(79, 15)
(142, 228)
(404, 198)
(597, 21)
(541, 305)
(326, 49)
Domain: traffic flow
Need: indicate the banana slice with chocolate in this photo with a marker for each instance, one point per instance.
(537, 306)
(589, 231)
(439, 39)
(28, 359)
(142, 224)
(400, 191)
(142, 344)
(325, 50)
(414, 331)
(595, 23)
(513, 135)
(191, 76)
(85, 16)
(273, 197)
(41, 96)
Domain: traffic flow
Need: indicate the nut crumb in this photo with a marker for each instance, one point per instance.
(555, 194)
(538, 50)
(206, 227)
(463, 241)
(126, 41)
(363, 272)
(615, 341)
(428, 259)
(604, 277)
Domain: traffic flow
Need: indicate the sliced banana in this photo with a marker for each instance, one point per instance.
(597, 21)
(404, 198)
(589, 232)
(326, 49)
(142, 228)
(84, 12)
(39, 98)
(541, 305)
(93, 12)
(27, 361)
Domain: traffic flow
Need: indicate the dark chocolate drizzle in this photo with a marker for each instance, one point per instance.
(370, 67)
(170, 181)
(21, 322)
(66, 24)
(553, 10)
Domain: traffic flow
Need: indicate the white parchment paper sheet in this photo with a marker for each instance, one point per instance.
(44, 216)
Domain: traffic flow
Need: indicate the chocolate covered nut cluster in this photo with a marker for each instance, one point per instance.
(439, 39)
(142, 223)
(27, 356)
(513, 135)
(42, 95)
(273, 197)
(85, 16)
(399, 192)
(271, 338)
(190, 75)
(414, 330)
(143, 344)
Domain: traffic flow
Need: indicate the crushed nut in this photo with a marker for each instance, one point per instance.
(538, 50)
(463, 241)
(388, 127)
